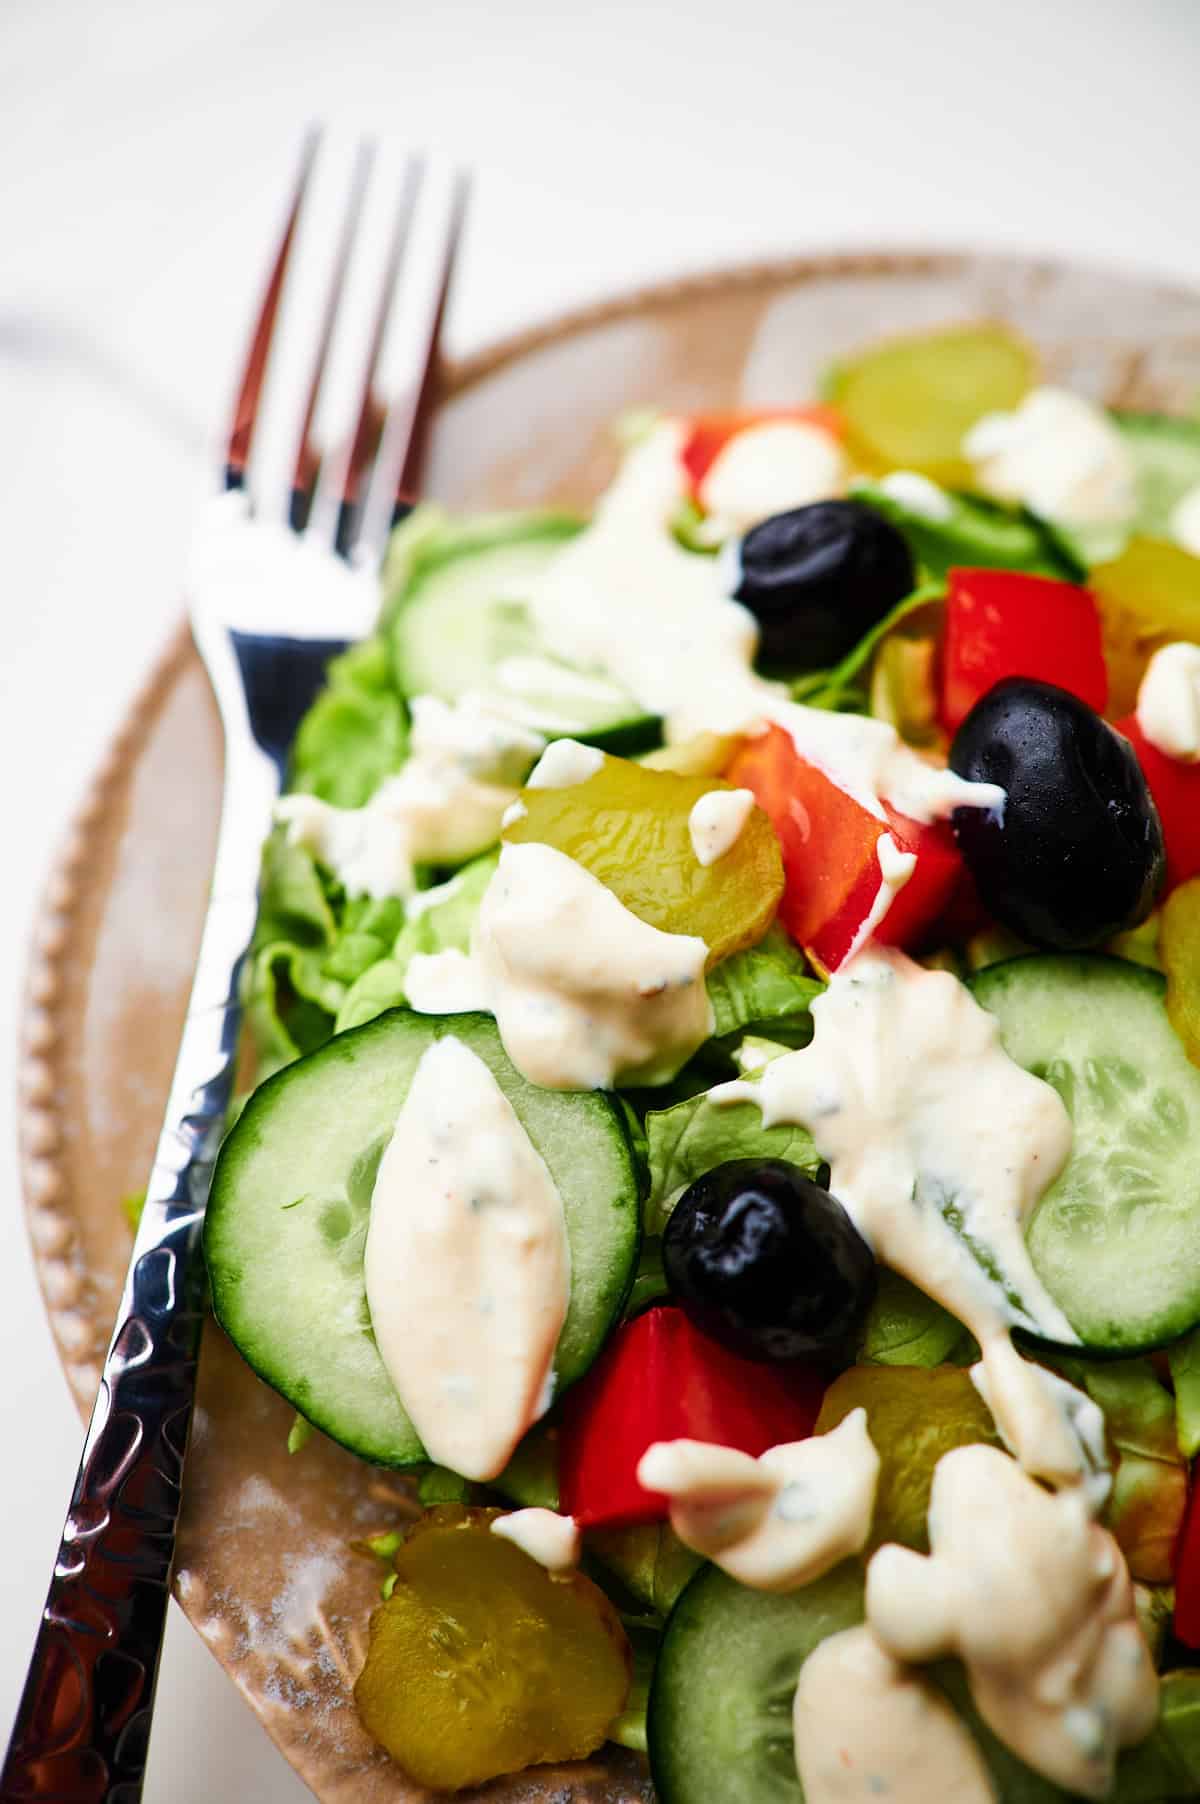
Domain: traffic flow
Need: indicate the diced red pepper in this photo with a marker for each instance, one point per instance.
(660, 1379)
(1187, 1571)
(709, 433)
(830, 857)
(1002, 623)
(1175, 786)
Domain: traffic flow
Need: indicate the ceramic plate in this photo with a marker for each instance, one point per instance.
(265, 1570)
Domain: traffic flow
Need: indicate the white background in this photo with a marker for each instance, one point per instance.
(144, 146)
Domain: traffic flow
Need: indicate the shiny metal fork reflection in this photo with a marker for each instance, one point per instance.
(285, 573)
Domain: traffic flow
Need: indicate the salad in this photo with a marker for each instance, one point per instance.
(726, 1008)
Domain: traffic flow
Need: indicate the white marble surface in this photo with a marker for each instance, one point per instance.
(145, 143)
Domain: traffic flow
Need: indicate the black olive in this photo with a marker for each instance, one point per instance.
(1076, 853)
(765, 1261)
(817, 578)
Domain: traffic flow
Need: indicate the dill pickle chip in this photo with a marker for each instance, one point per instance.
(1147, 597)
(1179, 952)
(915, 1414)
(628, 825)
(907, 403)
(480, 1663)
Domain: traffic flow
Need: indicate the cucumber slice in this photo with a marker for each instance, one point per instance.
(1116, 1238)
(290, 1203)
(1166, 453)
(719, 1725)
(720, 1715)
(462, 625)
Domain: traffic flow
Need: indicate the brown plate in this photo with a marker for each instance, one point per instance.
(265, 1572)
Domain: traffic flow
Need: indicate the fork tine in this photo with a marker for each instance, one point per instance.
(245, 408)
(337, 428)
(299, 340)
(409, 341)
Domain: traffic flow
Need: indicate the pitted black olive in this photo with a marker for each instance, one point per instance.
(817, 578)
(1076, 853)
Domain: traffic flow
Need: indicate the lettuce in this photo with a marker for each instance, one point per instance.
(765, 989)
(439, 920)
(1184, 1359)
(1145, 1508)
(904, 1327)
(356, 732)
(685, 1141)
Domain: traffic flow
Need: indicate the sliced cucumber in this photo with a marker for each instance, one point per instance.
(1166, 454)
(290, 1203)
(461, 624)
(1116, 1238)
(720, 1716)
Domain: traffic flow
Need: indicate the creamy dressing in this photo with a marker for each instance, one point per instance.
(552, 1540)
(867, 1727)
(908, 1092)
(776, 1522)
(1058, 453)
(768, 469)
(445, 983)
(444, 805)
(909, 489)
(584, 993)
(623, 596)
(1185, 521)
(1036, 1600)
(716, 821)
(467, 1265)
(1168, 703)
(895, 869)
(563, 764)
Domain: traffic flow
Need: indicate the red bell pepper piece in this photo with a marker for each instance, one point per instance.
(1001, 623)
(831, 866)
(1175, 786)
(660, 1379)
(1187, 1571)
(709, 433)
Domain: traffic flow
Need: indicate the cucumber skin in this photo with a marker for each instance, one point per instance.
(399, 1446)
(1096, 973)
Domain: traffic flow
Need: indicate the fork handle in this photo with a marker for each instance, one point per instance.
(82, 1726)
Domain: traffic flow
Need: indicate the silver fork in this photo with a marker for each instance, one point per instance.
(285, 574)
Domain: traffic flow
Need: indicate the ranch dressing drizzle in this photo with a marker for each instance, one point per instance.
(1058, 453)
(1168, 703)
(1036, 1600)
(866, 1727)
(552, 1540)
(768, 469)
(584, 993)
(467, 1265)
(716, 821)
(445, 804)
(623, 596)
(909, 1094)
(776, 1522)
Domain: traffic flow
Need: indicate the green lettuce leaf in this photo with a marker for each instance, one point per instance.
(356, 732)
(904, 1327)
(1149, 1494)
(1184, 1358)
(767, 990)
(440, 920)
(976, 532)
(689, 1139)
(294, 904)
